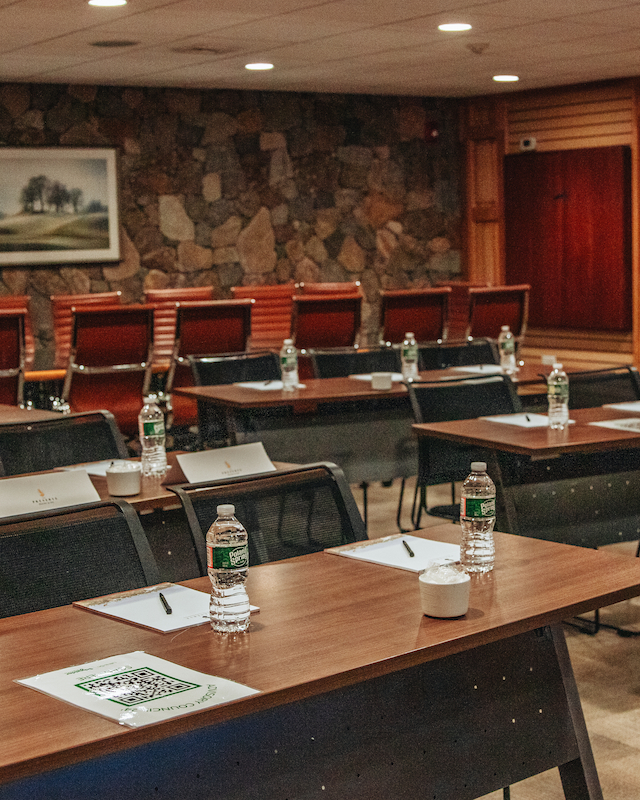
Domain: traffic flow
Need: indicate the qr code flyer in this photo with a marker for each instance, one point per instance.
(137, 689)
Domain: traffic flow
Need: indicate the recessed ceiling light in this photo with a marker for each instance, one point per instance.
(259, 66)
(506, 78)
(455, 26)
(107, 2)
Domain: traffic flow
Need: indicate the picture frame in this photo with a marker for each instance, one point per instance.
(58, 205)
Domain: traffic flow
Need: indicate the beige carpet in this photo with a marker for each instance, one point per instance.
(606, 666)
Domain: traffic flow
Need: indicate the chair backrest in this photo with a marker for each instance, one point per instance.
(60, 442)
(270, 314)
(286, 513)
(61, 305)
(55, 557)
(440, 461)
(234, 367)
(12, 355)
(111, 361)
(593, 388)
(164, 316)
(344, 361)
(323, 320)
(424, 312)
(493, 306)
(18, 302)
(442, 355)
(331, 287)
(458, 306)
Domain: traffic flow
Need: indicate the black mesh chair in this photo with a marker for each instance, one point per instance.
(442, 355)
(443, 462)
(61, 442)
(286, 513)
(223, 369)
(343, 361)
(55, 557)
(593, 388)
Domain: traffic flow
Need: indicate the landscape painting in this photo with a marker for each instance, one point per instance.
(58, 205)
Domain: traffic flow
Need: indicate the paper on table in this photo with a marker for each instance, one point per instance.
(137, 689)
(481, 369)
(225, 462)
(631, 424)
(265, 386)
(143, 607)
(27, 494)
(389, 551)
(521, 420)
(93, 468)
(396, 377)
(632, 405)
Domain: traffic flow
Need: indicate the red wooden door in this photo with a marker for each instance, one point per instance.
(568, 234)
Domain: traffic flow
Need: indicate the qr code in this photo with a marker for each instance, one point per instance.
(136, 686)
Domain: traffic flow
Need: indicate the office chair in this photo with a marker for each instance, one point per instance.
(286, 513)
(593, 388)
(52, 558)
(61, 305)
(12, 356)
(270, 313)
(341, 362)
(424, 312)
(443, 355)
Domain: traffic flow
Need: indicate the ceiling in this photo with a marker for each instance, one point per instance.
(362, 46)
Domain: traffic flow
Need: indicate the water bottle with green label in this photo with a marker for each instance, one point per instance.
(227, 566)
(477, 519)
(152, 439)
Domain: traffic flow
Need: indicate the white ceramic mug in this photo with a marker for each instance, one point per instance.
(382, 381)
(444, 591)
(123, 478)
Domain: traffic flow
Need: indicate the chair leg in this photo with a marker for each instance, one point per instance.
(399, 512)
(365, 486)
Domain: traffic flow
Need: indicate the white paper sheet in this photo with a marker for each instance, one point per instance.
(225, 462)
(28, 494)
(396, 377)
(391, 552)
(137, 689)
(265, 386)
(521, 420)
(481, 369)
(94, 467)
(631, 424)
(632, 405)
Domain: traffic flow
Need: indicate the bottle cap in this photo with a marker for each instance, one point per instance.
(504, 328)
(557, 365)
(288, 341)
(408, 336)
(226, 510)
(478, 466)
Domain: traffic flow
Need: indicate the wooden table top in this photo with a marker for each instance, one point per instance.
(537, 442)
(13, 415)
(326, 621)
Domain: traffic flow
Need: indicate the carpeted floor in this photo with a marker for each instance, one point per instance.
(606, 666)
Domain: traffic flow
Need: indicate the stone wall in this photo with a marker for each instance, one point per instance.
(222, 188)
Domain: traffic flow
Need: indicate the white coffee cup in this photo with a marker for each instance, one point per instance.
(444, 590)
(123, 478)
(382, 381)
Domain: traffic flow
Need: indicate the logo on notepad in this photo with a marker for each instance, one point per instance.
(44, 500)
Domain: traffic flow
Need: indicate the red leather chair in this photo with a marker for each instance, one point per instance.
(270, 313)
(164, 317)
(12, 356)
(62, 319)
(424, 312)
(491, 307)
(20, 302)
(326, 320)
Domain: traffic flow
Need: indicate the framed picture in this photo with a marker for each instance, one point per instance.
(58, 205)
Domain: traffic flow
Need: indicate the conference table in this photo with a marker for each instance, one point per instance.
(580, 485)
(360, 695)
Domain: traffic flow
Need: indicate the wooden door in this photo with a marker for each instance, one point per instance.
(568, 234)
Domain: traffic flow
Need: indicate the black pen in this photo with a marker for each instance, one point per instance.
(409, 550)
(526, 416)
(166, 605)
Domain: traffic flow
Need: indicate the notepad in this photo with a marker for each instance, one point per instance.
(631, 405)
(631, 424)
(390, 551)
(521, 420)
(396, 377)
(137, 689)
(265, 386)
(480, 369)
(143, 607)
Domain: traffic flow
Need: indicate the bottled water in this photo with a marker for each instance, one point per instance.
(152, 439)
(289, 366)
(227, 566)
(558, 398)
(477, 519)
(409, 358)
(507, 350)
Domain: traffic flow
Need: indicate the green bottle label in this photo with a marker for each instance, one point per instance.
(508, 347)
(234, 557)
(559, 391)
(478, 507)
(153, 428)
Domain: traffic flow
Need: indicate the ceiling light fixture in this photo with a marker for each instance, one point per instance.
(107, 2)
(505, 78)
(454, 26)
(259, 66)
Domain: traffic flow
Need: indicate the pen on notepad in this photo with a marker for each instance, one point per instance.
(409, 550)
(163, 600)
(526, 416)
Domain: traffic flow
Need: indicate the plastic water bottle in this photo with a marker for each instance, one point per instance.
(507, 350)
(227, 566)
(152, 439)
(289, 366)
(558, 398)
(409, 358)
(477, 520)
